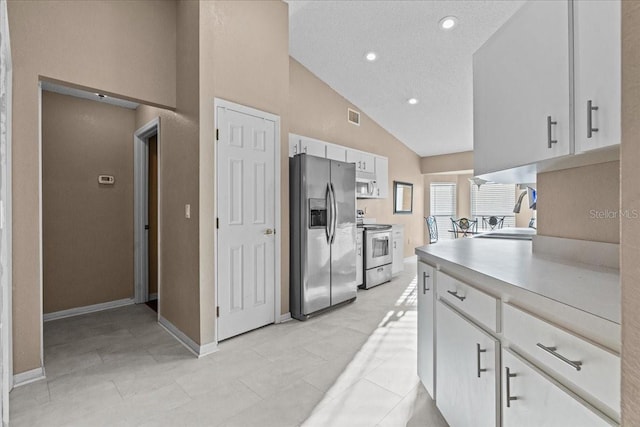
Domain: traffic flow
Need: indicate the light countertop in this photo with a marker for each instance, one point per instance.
(592, 289)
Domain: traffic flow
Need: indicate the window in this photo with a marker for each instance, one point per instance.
(443, 206)
(493, 200)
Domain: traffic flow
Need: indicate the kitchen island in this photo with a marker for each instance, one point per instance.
(498, 321)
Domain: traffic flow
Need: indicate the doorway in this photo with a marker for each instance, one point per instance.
(248, 210)
(146, 212)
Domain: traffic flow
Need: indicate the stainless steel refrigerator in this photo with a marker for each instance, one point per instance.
(323, 234)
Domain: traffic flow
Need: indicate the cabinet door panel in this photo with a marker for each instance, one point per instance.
(521, 77)
(313, 148)
(540, 401)
(382, 176)
(398, 250)
(426, 326)
(467, 363)
(335, 152)
(597, 72)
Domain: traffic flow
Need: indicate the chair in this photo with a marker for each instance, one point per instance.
(465, 226)
(432, 226)
(492, 222)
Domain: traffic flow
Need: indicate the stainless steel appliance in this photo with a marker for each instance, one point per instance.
(323, 234)
(378, 256)
(366, 186)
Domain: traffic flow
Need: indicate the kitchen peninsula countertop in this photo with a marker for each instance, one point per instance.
(503, 262)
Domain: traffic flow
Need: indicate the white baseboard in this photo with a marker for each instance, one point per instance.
(285, 317)
(28, 377)
(191, 345)
(412, 258)
(87, 309)
(153, 296)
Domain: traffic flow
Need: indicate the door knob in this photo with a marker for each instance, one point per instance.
(269, 231)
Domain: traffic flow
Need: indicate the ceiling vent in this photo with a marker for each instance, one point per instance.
(353, 117)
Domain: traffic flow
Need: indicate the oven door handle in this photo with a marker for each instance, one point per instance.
(334, 214)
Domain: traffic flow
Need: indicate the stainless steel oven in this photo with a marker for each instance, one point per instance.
(378, 255)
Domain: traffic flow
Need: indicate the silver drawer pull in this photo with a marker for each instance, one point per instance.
(550, 140)
(455, 294)
(577, 365)
(509, 397)
(590, 109)
(424, 282)
(480, 350)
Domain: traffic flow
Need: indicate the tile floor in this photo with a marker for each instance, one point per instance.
(355, 366)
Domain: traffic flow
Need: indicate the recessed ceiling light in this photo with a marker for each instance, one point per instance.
(448, 22)
(371, 56)
(412, 101)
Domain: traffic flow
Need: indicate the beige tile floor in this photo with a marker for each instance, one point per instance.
(355, 366)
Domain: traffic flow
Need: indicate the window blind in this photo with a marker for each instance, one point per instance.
(443, 206)
(494, 200)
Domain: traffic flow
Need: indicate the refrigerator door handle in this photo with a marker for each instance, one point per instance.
(334, 214)
(327, 227)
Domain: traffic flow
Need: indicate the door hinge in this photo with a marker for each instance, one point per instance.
(217, 135)
(218, 311)
(217, 223)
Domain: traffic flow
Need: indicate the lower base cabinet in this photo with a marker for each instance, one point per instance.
(532, 399)
(467, 371)
(426, 319)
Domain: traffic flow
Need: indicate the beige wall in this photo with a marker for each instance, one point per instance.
(447, 163)
(125, 48)
(319, 112)
(630, 227)
(570, 203)
(258, 78)
(179, 299)
(87, 227)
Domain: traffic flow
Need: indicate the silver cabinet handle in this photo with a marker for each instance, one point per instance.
(549, 137)
(359, 251)
(577, 365)
(509, 397)
(378, 191)
(364, 165)
(424, 282)
(305, 149)
(480, 350)
(295, 149)
(455, 294)
(394, 245)
(590, 110)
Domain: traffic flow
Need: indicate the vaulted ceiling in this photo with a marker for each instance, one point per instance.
(416, 58)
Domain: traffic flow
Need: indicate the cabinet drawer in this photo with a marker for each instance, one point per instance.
(478, 305)
(589, 370)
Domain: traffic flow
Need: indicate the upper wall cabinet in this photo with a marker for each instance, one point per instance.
(597, 73)
(547, 84)
(299, 144)
(368, 165)
(365, 162)
(521, 89)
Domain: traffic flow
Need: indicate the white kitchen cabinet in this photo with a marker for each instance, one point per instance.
(426, 326)
(300, 144)
(382, 176)
(397, 232)
(532, 399)
(597, 73)
(467, 364)
(359, 257)
(364, 162)
(521, 86)
(336, 152)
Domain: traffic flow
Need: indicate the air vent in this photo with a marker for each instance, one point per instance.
(353, 117)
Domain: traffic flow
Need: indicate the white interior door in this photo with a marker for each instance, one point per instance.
(246, 221)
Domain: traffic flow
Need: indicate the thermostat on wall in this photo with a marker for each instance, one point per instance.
(106, 179)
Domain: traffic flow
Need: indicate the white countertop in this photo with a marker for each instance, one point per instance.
(595, 290)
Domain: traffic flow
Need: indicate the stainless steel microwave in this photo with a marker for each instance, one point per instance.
(366, 188)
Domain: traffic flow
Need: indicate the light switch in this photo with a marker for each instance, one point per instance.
(106, 179)
(187, 211)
